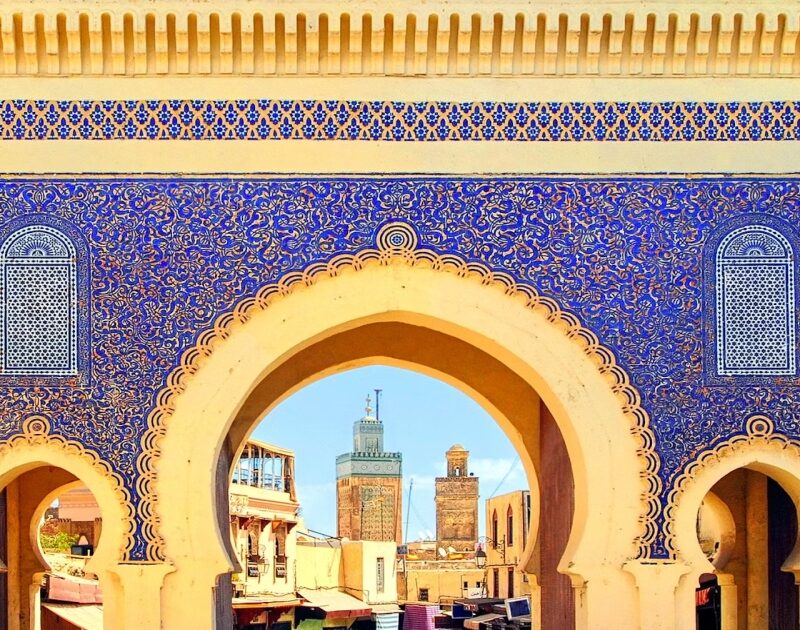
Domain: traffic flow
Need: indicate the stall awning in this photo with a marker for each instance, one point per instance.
(474, 622)
(384, 609)
(266, 601)
(73, 590)
(335, 604)
(84, 616)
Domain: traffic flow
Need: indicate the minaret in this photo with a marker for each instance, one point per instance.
(368, 432)
(369, 485)
(457, 503)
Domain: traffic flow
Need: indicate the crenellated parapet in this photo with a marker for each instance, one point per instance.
(400, 38)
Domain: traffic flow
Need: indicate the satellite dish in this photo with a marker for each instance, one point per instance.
(442, 552)
(451, 550)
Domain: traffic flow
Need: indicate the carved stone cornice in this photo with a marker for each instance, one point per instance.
(439, 38)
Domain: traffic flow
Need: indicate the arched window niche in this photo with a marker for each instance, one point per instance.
(751, 268)
(43, 303)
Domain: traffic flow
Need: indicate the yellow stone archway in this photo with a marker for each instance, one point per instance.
(36, 449)
(594, 407)
(760, 449)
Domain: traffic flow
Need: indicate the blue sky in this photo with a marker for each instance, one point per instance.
(423, 417)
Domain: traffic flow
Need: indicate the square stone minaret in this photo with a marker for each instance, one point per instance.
(457, 503)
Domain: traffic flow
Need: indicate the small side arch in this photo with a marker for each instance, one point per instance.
(39, 513)
(760, 449)
(48, 462)
(35, 447)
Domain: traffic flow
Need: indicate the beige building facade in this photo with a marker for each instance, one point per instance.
(78, 505)
(439, 581)
(264, 513)
(569, 211)
(508, 519)
(363, 571)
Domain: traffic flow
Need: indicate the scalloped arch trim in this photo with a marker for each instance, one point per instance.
(759, 431)
(36, 431)
(396, 249)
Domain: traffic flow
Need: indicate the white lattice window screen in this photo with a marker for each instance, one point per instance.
(39, 303)
(755, 304)
(380, 574)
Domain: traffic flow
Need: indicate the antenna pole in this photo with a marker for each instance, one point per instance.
(378, 404)
(405, 538)
(408, 509)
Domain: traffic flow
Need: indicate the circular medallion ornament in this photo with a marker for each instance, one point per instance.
(36, 425)
(759, 426)
(396, 236)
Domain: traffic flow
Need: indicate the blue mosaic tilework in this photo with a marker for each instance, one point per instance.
(398, 121)
(168, 256)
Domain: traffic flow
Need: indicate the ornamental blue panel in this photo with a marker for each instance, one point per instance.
(635, 259)
(44, 302)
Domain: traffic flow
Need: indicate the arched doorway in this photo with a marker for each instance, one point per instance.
(483, 340)
(34, 468)
(735, 527)
(747, 527)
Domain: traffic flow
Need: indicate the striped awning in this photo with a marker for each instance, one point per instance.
(83, 616)
(335, 604)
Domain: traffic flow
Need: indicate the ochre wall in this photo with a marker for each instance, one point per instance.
(318, 566)
(360, 560)
(444, 583)
(503, 556)
(557, 507)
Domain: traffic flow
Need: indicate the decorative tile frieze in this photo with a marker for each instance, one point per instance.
(396, 121)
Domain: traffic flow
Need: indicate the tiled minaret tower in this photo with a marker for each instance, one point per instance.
(369, 485)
